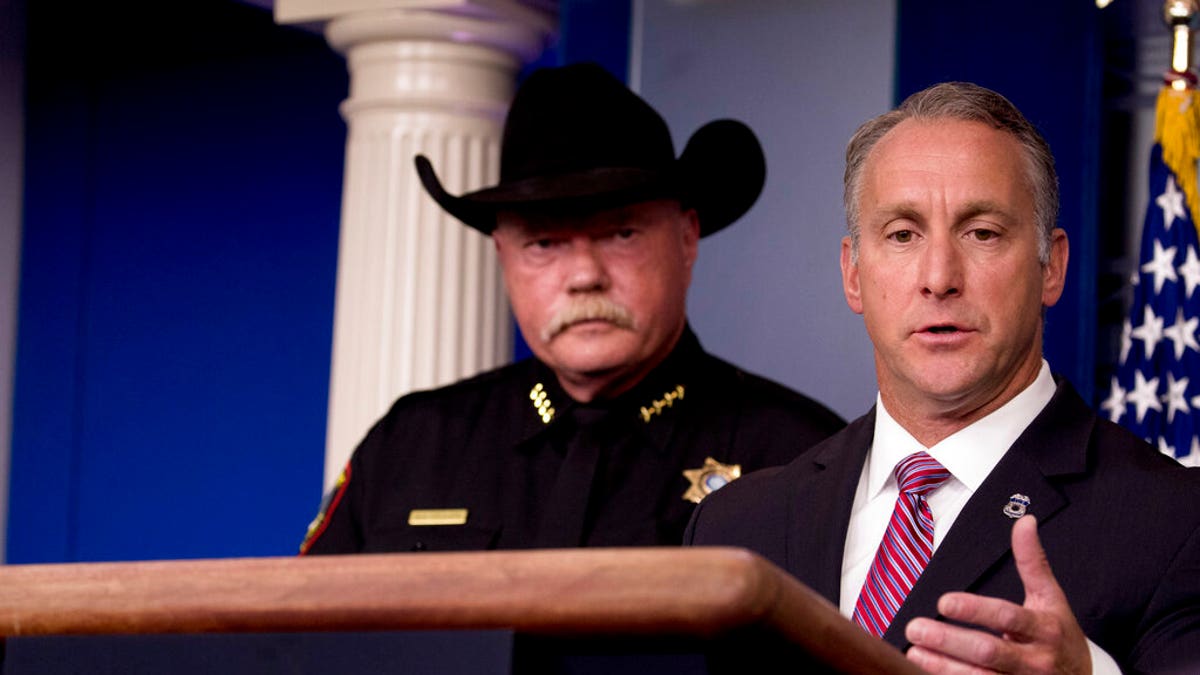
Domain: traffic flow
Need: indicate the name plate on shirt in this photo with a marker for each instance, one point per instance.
(420, 517)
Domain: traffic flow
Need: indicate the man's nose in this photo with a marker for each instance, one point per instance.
(586, 269)
(941, 269)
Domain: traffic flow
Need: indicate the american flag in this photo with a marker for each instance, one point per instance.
(1156, 390)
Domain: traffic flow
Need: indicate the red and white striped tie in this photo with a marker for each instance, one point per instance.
(906, 547)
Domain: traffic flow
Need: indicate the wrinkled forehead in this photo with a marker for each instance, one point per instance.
(984, 144)
(967, 155)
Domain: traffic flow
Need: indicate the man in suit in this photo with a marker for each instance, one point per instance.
(925, 519)
(621, 422)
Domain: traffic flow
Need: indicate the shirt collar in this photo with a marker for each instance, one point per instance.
(970, 453)
(651, 406)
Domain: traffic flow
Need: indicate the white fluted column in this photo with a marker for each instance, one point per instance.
(419, 302)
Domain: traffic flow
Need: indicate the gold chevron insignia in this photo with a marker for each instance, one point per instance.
(541, 403)
(656, 406)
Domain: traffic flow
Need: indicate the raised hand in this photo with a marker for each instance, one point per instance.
(1039, 636)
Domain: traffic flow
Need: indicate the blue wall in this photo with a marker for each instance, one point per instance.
(183, 185)
(183, 190)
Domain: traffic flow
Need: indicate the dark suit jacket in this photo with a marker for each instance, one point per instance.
(1120, 523)
(482, 445)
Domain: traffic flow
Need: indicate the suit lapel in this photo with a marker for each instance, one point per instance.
(823, 483)
(1054, 445)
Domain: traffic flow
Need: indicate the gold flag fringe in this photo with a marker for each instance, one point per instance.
(1177, 130)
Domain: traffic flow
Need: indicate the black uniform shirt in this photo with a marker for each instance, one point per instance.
(484, 456)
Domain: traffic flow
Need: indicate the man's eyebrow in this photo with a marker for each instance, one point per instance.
(908, 210)
(982, 206)
(904, 210)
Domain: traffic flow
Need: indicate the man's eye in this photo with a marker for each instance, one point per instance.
(626, 233)
(902, 236)
(541, 243)
(983, 235)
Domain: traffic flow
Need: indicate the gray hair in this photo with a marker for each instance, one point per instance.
(967, 102)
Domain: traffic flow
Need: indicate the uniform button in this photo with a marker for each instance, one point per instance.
(419, 546)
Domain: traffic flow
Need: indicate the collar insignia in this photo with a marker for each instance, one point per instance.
(709, 478)
(1016, 506)
(541, 403)
(545, 408)
(656, 407)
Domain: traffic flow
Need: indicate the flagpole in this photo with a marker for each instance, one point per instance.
(1179, 15)
(1177, 128)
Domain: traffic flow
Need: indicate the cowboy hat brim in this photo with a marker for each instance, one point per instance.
(720, 174)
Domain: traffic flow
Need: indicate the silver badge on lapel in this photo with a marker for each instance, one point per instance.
(1016, 506)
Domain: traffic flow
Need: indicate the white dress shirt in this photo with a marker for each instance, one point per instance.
(969, 455)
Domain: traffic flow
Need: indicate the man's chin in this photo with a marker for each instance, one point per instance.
(599, 365)
(590, 354)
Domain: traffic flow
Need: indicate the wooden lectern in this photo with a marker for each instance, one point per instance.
(730, 606)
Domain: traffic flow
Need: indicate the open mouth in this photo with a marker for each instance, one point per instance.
(942, 330)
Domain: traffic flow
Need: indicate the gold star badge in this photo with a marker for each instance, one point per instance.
(709, 478)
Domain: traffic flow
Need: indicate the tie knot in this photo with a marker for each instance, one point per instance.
(919, 473)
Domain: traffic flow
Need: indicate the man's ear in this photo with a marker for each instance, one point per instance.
(1054, 272)
(691, 235)
(499, 235)
(850, 283)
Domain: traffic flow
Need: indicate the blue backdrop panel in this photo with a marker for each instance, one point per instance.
(45, 430)
(183, 186)
(182, 205)
(1053, 75)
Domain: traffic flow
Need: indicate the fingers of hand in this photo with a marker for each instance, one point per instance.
(1039, 636)
(940, 664)
(942, 648)
(1000, 616)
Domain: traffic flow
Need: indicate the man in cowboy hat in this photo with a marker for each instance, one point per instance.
(621, 422)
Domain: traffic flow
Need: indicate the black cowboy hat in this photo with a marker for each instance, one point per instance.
(577, 138)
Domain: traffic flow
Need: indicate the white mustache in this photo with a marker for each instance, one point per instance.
(588, 308)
